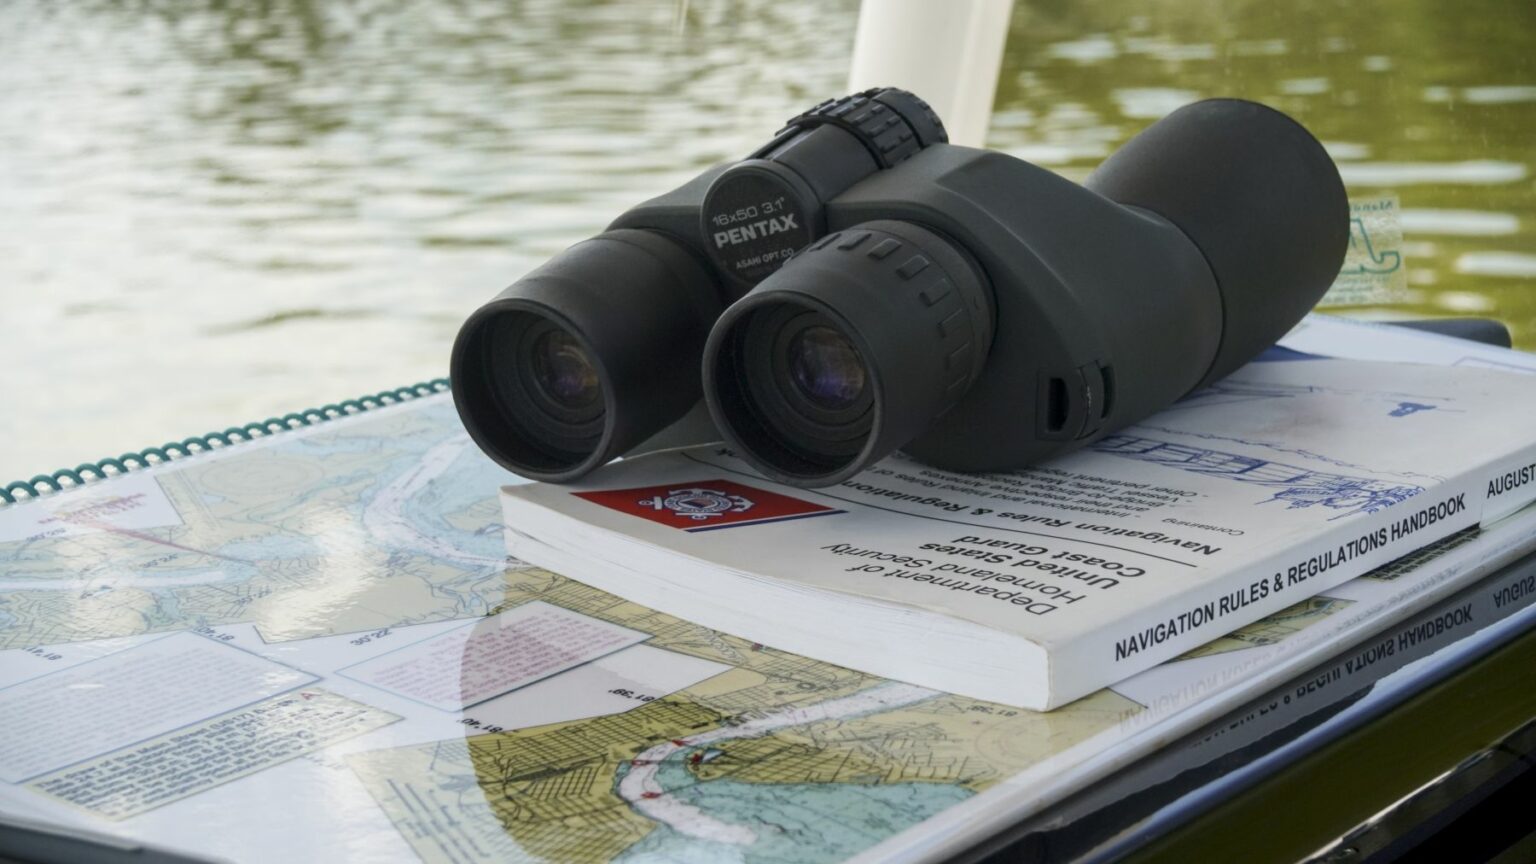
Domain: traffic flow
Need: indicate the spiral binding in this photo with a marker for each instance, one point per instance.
(87, 472)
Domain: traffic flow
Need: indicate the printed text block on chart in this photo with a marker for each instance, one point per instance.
(130, 503)
(58, 719)
(496, 655)
(183, 763)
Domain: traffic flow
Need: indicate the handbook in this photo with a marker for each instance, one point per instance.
(1039, 586)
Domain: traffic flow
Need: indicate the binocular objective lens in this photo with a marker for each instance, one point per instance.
(796, 385)
(533, 388)
(826, 367)
(563, 371)
(586, 357)
(555, 385)
(848, 351)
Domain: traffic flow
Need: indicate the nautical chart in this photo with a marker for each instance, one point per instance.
(772, 758)
(397, 507)
(330, 549)
(297, 650)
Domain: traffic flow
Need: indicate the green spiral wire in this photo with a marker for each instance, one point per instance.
(68, 478)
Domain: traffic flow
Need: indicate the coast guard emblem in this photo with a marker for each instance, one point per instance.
(709, 505)
(699, 504)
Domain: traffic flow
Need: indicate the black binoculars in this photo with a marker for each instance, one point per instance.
(859, 285)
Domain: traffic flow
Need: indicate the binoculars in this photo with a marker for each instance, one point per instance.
(859, 285)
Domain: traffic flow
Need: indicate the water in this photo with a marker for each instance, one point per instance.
(211, 213)
(1433, 103)
(837, 820)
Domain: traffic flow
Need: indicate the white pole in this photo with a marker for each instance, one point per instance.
(949, 52)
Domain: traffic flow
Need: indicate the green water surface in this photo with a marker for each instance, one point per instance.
(1432, 102)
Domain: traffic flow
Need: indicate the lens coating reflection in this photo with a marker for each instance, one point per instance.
(797, 386)
(826, 367)
(563, 372)
(548, 392)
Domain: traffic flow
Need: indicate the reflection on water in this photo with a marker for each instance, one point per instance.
(1433, 104)
(214, 212)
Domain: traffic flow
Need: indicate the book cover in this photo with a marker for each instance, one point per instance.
(1038, 586)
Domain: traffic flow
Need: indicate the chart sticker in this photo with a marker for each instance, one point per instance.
(82, 712)
(1373, 273)
(472, 664)
(144, 776)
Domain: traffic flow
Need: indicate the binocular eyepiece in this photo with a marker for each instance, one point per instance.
(859, 285)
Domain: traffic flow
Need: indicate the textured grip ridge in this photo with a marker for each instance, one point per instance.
(893, 124)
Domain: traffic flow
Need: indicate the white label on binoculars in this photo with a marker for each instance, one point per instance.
(1276, 483)
(754, 230)
(1374, 272)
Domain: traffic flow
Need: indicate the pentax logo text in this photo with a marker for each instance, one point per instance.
(707, 505)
